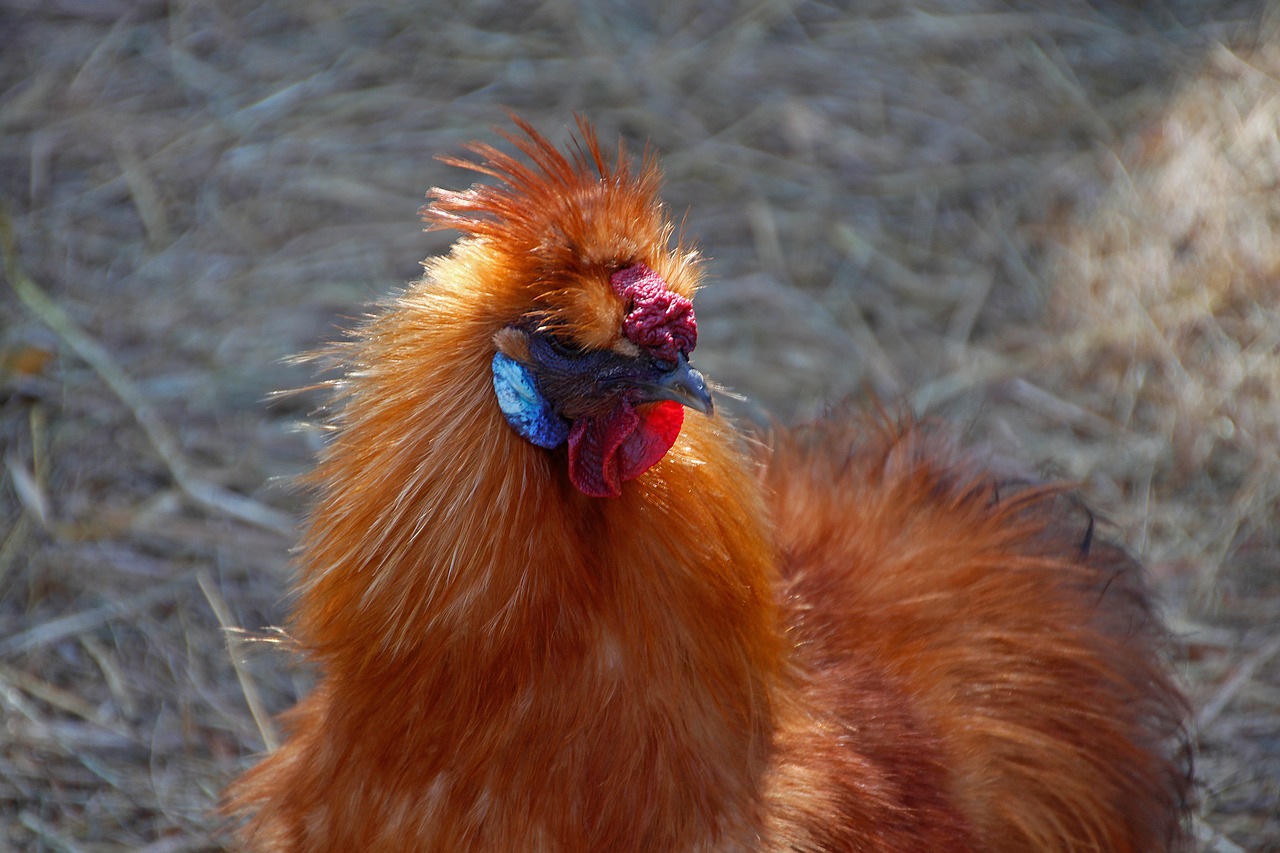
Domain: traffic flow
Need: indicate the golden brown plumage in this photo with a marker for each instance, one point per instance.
(856, 639)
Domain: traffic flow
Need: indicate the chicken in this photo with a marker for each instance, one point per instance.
(556, 603)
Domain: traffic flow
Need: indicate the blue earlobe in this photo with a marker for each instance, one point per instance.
(525, 408)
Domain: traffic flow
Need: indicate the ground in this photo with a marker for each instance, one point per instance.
(1051, 221)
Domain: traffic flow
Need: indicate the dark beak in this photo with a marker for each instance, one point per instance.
(683, 385)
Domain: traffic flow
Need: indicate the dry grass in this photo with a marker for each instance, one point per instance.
(1055, 221)
(1167, 301)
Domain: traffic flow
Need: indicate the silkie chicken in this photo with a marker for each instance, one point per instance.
(555, 603)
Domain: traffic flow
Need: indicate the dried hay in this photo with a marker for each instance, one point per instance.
(1167, 301)
(1166, 310)
(195, 190)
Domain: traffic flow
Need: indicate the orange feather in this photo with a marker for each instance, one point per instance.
(856, 639)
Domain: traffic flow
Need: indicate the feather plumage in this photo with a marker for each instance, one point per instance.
(850, 638)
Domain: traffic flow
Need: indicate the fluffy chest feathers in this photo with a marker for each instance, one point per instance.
(515, 633)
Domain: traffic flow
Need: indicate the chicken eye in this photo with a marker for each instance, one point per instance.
(565, 346)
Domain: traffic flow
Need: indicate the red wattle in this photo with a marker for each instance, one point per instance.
(650, 441)
(605, 451)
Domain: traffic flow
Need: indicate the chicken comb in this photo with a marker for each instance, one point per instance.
(658, 319)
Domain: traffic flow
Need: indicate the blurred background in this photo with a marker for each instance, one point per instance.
(1052, 222)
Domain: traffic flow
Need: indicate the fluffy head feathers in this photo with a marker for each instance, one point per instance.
(561, 225)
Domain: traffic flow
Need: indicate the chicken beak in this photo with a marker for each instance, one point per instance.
(682, 385)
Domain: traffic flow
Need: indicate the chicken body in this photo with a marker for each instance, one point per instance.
(570, 619)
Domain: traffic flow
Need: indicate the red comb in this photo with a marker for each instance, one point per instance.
(659, 319)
